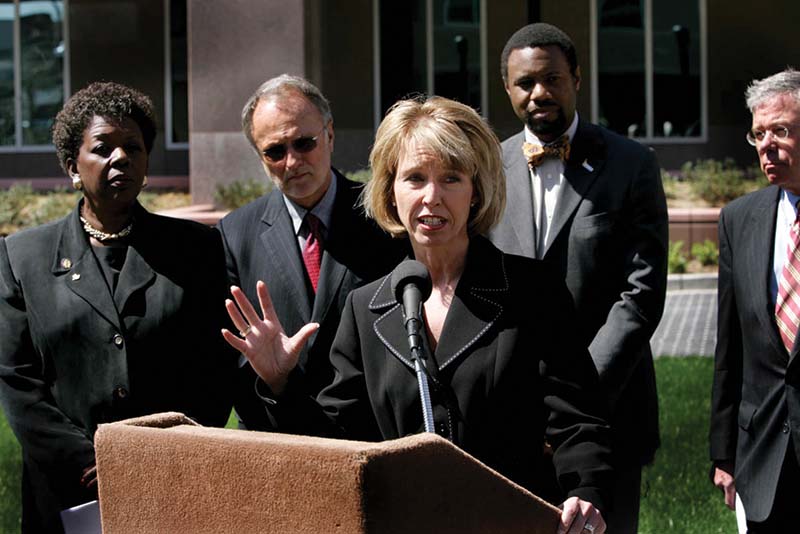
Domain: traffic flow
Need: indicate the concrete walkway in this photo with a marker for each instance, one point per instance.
(689, 324)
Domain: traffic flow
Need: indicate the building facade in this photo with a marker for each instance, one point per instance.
(669, 73)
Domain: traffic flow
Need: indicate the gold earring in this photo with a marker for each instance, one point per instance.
(77, 185)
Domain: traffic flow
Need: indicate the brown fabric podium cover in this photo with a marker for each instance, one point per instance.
(164, 473)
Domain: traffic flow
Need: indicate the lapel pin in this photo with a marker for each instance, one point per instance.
(76, 276)
(586, 165)
(66, 263)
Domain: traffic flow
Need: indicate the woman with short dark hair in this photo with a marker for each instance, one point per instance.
(108, 313)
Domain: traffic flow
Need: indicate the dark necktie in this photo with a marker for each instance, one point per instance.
(312, 253)
(536, 154)
(787, 305)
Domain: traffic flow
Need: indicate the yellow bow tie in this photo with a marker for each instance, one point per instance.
(536, 154)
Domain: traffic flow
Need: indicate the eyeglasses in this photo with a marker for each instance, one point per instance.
(756, 136)
(301, 145)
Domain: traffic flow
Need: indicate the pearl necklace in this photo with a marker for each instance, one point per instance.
(103, 236)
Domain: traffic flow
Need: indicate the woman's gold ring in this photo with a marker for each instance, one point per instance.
(246, 331)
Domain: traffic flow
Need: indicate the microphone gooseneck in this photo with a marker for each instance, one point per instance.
(411, 286)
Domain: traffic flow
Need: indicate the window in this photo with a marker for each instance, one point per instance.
(430, 46)
(176, 77)
(649, 57)
(33, 79)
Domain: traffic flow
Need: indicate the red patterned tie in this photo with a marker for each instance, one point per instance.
(312, 253)
(787, 306)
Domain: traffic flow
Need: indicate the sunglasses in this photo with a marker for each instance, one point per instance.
(301, 145)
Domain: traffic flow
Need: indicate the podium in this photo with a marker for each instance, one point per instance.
(165, 473)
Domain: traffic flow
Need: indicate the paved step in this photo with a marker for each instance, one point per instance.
(689, 324)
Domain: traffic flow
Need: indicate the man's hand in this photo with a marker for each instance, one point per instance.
(723, 479)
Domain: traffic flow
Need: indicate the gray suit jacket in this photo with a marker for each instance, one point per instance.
(609, 242)
(755, 407)
(260, 244)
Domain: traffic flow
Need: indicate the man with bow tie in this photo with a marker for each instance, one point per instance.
(591, 204)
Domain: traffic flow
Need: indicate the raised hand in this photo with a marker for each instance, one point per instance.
(267, 347)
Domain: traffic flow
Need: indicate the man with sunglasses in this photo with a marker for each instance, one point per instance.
(307, 239)
(755, 406)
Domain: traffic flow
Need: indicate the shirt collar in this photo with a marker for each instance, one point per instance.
(789, 204)
(323, 209)
(530, 137)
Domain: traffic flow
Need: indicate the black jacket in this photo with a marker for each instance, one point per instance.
(608, 241)
(261, 244)
(507, 374)
(72, 356)
(755, 404)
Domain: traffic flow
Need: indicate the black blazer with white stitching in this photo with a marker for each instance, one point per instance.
(507, 374)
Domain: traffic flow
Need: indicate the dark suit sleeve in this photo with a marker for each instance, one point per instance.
(618, 345)
(727, 386)
(577, 425)
(210, 383)
(342, 409)
(55, 446)
(230, 258)
(346, 400)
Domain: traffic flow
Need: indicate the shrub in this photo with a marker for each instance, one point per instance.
(670, 184)
(22, 207)
(46, 208)
(676, 259)
(164, 199)
(706, 252)
(363, 175)
(718, 182)
(13, 201)
(240, 192)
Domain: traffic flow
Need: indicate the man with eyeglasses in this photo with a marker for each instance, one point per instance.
(755, 407)
(307, 239)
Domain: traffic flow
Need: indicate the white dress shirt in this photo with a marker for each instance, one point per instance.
(787, 213)
(546, 180)
(323, 211)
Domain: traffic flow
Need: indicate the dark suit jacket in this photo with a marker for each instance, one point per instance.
(507, 373)
(609, 242)
(73, 356)
(755, 407)
(261, 244)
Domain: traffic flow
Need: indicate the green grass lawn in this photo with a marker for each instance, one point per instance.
(10, 476)
(676, 494)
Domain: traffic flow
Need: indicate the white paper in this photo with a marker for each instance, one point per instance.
(741, 520)
(82, 519)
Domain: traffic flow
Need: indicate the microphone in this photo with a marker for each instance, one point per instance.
(411, 285)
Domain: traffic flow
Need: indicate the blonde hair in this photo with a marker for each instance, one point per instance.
(458, 136)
